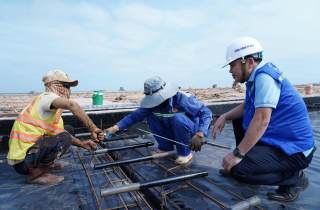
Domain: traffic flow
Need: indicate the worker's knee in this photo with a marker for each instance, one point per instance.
(70, 129)
(65, 138)
(239, 174)
(179, 119)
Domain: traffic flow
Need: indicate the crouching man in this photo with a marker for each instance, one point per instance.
(39, 138)
(273, 133)
(173, 114)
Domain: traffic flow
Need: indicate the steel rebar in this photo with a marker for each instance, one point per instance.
(134, 160)
(149, 184)
(121, 137)
(205, 142)
(100, 151)
(246, 204)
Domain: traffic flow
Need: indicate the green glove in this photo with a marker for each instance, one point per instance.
(195, 143)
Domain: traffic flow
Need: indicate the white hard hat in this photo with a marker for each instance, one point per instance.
(241, 47)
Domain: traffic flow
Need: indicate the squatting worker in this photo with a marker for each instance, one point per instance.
(38, 137)
(272, 127)
(170, 113)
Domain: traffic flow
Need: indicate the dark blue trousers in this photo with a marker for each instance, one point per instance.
(266, 165)
(180, 130)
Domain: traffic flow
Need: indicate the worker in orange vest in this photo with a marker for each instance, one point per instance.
(39, 138)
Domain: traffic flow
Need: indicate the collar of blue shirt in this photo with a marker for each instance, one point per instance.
(262, 63)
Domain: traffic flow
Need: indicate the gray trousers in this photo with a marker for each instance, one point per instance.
(46, 151)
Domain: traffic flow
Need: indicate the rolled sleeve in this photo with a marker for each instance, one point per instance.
(198, 109)
(267, 91)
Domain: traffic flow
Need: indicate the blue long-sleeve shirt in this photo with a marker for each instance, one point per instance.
(182, 103)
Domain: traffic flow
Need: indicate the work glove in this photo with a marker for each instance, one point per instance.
(109, 132)
(106, 133)
(195, 143)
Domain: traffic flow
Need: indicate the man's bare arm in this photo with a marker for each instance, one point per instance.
(257, 127)
(235, 113)
(76, 110)
(88, 145)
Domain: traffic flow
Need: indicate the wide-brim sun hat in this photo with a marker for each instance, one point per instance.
(57, 75)
(156, 91)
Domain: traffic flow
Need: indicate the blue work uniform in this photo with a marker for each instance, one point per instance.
(179, 121)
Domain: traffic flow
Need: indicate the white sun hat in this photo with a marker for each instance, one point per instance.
(156, 91)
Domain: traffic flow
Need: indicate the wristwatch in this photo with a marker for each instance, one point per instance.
(237, 153)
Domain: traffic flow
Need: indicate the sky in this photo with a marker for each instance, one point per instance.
(111, 44)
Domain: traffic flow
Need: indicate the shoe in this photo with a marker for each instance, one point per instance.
(159, 151)
(286, 193)
(57, 166)
(39, 176)
(225, 173)
(183, 159)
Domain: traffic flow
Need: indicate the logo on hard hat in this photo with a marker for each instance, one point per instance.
(174, 109)
(242, 48)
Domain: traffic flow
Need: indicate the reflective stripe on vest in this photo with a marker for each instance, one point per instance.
(57, 118)
(167, 115)
(25, 118)
(23, 137)
(27, 111)
(29, 127)
(40, 124)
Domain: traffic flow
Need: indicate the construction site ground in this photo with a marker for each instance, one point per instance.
(75, 191)
(11, 104)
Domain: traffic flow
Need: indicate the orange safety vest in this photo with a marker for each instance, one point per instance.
(29, 127)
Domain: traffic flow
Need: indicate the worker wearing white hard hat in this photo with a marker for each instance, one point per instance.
(273, 133)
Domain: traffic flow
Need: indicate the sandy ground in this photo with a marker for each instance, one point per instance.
(14, 103)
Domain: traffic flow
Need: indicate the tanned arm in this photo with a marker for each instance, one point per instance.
(77, 111)
(257, 127)
(235, 113)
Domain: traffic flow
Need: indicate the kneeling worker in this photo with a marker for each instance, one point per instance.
(273, 133)
(173, 114)
(38, 137)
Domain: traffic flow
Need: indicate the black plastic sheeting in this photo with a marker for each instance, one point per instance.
(16, 193)
(75, 191)
(210, 158)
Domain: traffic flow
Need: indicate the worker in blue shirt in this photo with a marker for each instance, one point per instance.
(173, 114)
(272, 128)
